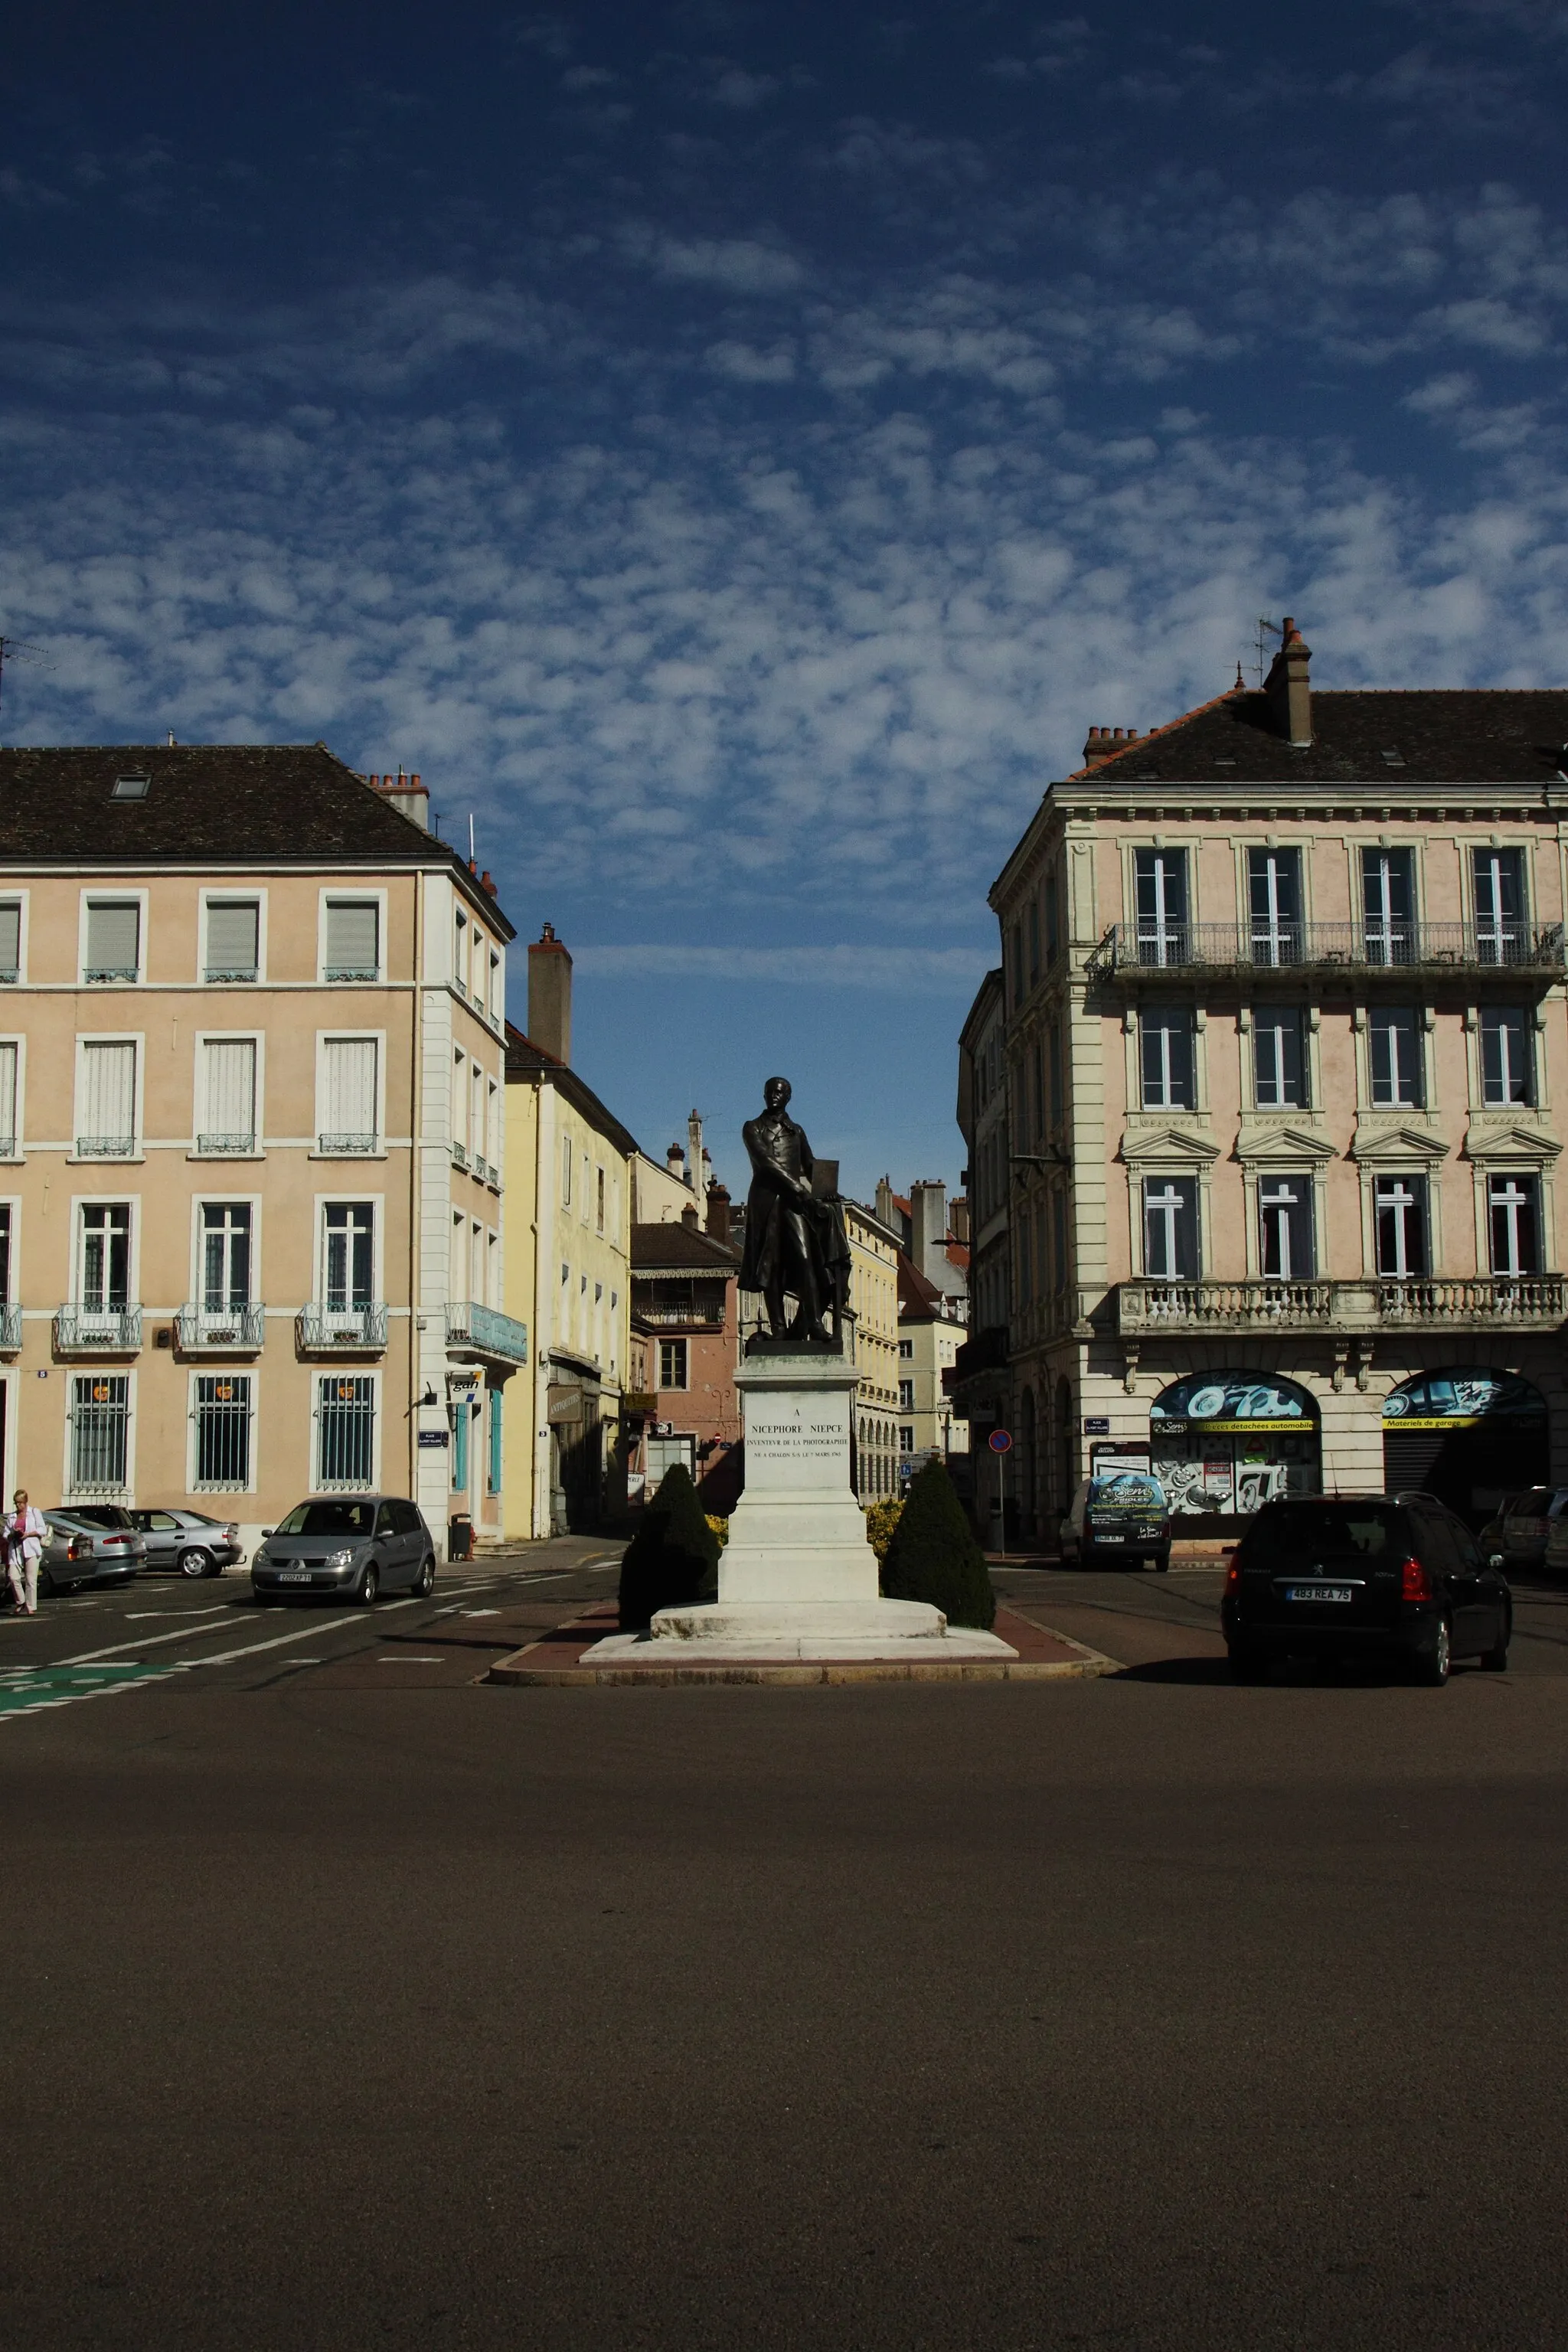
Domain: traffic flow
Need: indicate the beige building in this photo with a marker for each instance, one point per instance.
(250, 1100)
(569, 1164)
(931, 1333)
(874, 1302)
(1286, 1048)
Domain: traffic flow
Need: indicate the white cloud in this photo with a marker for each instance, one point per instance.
(736, 264)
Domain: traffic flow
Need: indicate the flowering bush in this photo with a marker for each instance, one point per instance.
(881, 1519)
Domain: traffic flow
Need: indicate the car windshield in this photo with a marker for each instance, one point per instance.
(1532, 1506)
(1289, 1532)
(1127, 1490)
(344, 1518)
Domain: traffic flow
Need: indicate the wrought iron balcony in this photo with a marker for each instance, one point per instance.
(101, 974)
(460, 1155)
(225, 1147)
(348, 1147)
(233, 1331)
(223, 974)
(10, 1327)
(1134, 953)
(480, 1330)
(352, 972)
(98, 1330)
(352, 1330)
(1465, 1302)
(106, 1147)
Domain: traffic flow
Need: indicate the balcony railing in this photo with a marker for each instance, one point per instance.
(234, 1329)
(1134, 949)
(1532, 1301)
(98, 974)
(352, 972)
(355, 1329)
(460, 1155)
(225, 1147)
(10, 1327)
(221, 974)
(348, 1147)
(98, 1330)
(106, 1147)
(698, 1318)
(484, 1331)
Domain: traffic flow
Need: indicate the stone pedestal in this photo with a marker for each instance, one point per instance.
(797, 1578)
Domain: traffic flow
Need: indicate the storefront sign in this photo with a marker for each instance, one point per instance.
(1233, 1402)
(1461, 1397)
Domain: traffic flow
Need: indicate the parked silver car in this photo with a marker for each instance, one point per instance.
(193, 1541)
(1528, 1523)
(89, 1543)
(353, 1547)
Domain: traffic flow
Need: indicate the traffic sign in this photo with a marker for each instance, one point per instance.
(1001, 1440)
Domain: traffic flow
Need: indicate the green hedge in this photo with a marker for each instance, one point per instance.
(673, 1558)
(934, 1556)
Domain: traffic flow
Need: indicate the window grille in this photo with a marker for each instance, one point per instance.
(223, 1433)
(346, 1435)
(101, 1415)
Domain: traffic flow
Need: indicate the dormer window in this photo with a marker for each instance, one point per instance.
(1392, 759)
(131, 788)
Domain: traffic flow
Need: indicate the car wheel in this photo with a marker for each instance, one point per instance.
(1161, 1563)
(1496, 1660)
(194, 1561)
(368, 1586)
(1432, 1665)
(1247, 1665)
(425, 1582)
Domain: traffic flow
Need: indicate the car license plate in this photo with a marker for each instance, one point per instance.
(1104, 1539)
(303, 1576)
(1319, 1592)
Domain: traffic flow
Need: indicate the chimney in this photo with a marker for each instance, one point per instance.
(928, 1239)
(549, 994)
(695, 1157)
(718, 1212)
(1288, 688)
(688, 1219)
(404, 793)
(675, 1160)
(958, 1218)
(486, 885)
(1103, 741)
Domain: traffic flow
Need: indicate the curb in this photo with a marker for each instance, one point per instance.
(803, 1674)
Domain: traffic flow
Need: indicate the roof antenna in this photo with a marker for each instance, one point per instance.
(171, 735)
(470, 837)
(1274, 630)
(13, 649)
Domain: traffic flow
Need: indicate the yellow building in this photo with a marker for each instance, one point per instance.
(874, 1301)
(250, 1102)
(569, 1170)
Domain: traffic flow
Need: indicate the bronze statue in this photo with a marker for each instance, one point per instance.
(795, 1241)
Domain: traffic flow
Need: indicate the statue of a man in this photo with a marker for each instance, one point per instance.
(795, 1243)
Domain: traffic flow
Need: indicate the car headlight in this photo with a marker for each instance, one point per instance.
(340, 1560)
(262, 1559)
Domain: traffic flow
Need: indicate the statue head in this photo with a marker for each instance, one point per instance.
(775, 1093)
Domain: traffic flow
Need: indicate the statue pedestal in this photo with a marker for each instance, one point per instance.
(797, 1578)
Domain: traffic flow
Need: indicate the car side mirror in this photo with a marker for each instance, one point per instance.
(265, 1533)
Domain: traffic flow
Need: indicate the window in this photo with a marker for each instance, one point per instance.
(1401, 1211)
(1017, 965)
(348, 1254)
(459, 1106)
(346, 1439)
(462, 1417)
(108, 1102)
(1167, 1057)
(223, 1433)
(1500, 904)
(10, 940)
(1053, 917)
(1054, 1073)
(1394, 1039)
(103, 1268)
(1274, 895)
(1388, 904)
(906, 1441)
(1285, 1215)
(566, 1171)
(493, 1466)
(1278, 1061)
(599, 1209)
(1505, 1056)
(349, 1073)
(353, 939)
(478, 1140)
(4, 1252)
(226, 1254)
(227, 1116)
(114, 938)
(1034, 941)
(1514, 1203)
(8, 1134)
(906, 1348)
(906, 1396)
(672, 1364)
(101, 1415)
(1170, 1228)
(1059, 1238)
(234, 938)
(1161, 890)
(460, 955)
(130, 788)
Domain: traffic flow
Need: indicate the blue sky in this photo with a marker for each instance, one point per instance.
(735, 451)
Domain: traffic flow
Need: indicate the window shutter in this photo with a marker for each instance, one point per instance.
(109, 1092)
(352, 942)
(9, 1097)
(233, 936)
(350, 1087)
(10, 936)
(231, 1086)
(113, 934)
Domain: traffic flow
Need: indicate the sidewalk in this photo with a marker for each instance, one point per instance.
(1044, 1655)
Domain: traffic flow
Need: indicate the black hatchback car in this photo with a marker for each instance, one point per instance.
(1374, 1576)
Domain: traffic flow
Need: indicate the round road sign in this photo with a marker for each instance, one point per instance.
(1001, 1440)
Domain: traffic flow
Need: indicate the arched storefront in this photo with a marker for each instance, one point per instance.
(1222, 1444)
(1469, 1435)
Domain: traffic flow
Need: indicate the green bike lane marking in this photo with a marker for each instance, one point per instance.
(25, 1689)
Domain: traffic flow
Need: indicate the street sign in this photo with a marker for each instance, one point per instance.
(1097, 1424)
(433, 1437)
(1001, 1440)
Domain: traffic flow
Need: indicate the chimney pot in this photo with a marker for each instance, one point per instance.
(688, 1219)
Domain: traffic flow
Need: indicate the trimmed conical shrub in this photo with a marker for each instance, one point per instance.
(673, 1558)
(934, 1556)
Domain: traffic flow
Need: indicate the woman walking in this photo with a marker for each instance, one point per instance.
(24, 1531)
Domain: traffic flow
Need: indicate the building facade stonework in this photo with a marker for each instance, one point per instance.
(1286, 1048)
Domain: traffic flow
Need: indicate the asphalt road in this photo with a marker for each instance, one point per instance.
(357, 2003)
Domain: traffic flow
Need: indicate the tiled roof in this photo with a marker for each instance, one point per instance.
(526, 1060)
(205, 804)
(1459, 736)
(681, 1248)
(916, 1294)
